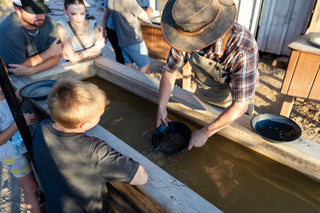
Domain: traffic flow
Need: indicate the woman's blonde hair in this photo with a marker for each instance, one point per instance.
(73, 102)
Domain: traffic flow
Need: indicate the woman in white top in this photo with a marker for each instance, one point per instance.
(81, 38)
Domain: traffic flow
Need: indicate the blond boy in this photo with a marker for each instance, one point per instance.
(73, 167)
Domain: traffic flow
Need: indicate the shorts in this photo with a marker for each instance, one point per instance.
(137, 53)
(18, 166)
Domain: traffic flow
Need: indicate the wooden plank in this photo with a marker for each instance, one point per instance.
(282, 21)
(147, 36)
(315, 90)
(249, 14)
(297, 23)
(128, 198)
(186, 73)
(287, 106)
(279, 26)
(305, 72)
(290, 71)
(265, 24)
(157, 46)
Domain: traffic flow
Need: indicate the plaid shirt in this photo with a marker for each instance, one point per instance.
(240, 60)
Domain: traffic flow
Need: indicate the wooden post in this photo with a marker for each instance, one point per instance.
(287, 105)
(186, 76)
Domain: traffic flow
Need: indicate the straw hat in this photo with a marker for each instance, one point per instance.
(194, 24)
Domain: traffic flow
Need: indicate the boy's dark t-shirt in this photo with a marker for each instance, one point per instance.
(73, 168)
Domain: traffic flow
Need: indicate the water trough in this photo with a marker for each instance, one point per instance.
(167, 193)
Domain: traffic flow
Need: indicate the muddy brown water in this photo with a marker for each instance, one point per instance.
(230, 176)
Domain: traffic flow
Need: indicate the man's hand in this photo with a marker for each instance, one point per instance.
(55, 48)
(198, 138)
(21, 70)
(162, 118)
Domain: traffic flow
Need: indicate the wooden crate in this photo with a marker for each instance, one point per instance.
(157, 46)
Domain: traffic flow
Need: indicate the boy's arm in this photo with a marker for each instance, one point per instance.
(141, 176)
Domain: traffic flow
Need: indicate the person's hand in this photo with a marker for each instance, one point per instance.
(162, 118)
(198, 138)
(55, 48)
(29, 117)
(105, 39)
(64, 56)
(21, 70)
(19, 98)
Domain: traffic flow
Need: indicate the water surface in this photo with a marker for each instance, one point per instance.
(230, 176)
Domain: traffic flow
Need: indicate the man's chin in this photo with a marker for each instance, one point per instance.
(38, 24)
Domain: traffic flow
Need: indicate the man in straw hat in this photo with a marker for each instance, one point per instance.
(223, 56)
(28, 38)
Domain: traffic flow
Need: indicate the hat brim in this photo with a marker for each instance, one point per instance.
(187, 42)
(36, 9)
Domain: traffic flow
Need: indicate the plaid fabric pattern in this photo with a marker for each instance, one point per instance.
(239, 60)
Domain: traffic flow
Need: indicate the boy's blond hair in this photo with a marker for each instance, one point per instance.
(73, 102)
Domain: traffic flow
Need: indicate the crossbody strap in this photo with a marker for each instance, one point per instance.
(76, 35)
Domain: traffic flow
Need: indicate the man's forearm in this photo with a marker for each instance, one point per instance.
(166, 87)
(39, 58)
(47, 64)
(229, 115)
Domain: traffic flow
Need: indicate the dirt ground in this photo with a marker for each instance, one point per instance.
(268, 99)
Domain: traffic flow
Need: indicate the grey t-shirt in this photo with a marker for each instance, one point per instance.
(73, 169)
(125, 14)
(17, 43)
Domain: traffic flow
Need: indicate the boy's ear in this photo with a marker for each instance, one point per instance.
(83, 125)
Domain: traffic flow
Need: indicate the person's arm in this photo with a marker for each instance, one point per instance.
(9, 132)
(165, 89)
(91, 52)
(229, 115)
(40, 62)
(105, 21)
(19, 98)
(175, 62)
(146, 15)
(141, 176)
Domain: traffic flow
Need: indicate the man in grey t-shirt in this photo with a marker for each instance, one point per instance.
(125, 15)
(29, 39)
